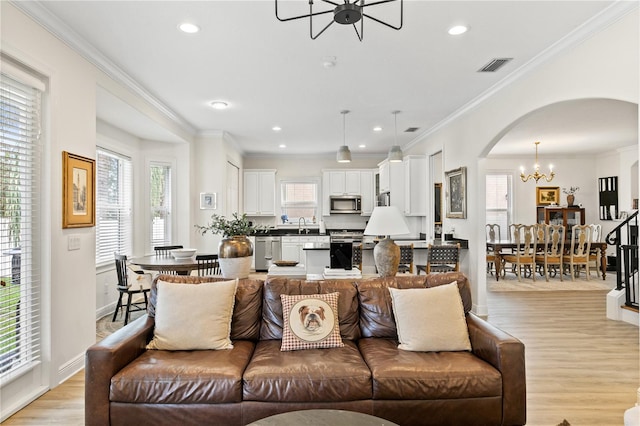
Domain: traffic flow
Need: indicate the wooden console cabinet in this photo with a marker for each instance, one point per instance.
(567, 216)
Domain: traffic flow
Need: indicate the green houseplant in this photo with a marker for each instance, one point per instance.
(235, 249)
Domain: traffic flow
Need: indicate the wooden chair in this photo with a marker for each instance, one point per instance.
(207, 264)
(594, 255)
(493, 234)
(165, 250)
(125, 287)
(356, 256)
(580, 250)
(524, 257)
(553, 250)
(443, 258)
(406, 259)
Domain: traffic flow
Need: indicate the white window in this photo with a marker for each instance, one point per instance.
(499, 206)
(299, 199)
(20, 246)
(113, 205)
(160, 192)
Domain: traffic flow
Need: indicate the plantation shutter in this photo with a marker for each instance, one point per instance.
(20, 206)
(113, 205)
(498, 196)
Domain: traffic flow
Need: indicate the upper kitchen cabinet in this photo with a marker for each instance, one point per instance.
(415, 184)
(260, 192)
(391, 180)
(344, 182)
(368, 191)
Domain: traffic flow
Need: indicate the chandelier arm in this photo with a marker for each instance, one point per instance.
(384, 23)
(333, 2)
(375, 3)
(310, 14)
(313, 37)
(361, 33)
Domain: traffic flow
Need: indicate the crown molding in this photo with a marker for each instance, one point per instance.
(41, 15)
(597, 23)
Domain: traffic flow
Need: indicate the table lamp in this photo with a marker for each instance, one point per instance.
(386, 220)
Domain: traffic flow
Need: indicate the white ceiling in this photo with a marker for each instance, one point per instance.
(271, 73)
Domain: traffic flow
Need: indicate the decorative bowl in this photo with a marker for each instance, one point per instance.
(183, 253)
(285, 263)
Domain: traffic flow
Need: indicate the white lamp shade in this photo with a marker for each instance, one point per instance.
(344, 155)
(386, 220)
(395, 154)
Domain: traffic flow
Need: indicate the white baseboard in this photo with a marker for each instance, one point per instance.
(105, 310)
(70, 368)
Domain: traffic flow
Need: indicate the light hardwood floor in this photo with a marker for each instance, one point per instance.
(581, 366)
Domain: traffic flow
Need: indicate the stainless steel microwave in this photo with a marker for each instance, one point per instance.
(346, 204)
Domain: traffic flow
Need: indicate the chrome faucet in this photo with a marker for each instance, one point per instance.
(304, 221)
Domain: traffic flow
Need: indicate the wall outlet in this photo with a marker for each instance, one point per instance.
(73, 243)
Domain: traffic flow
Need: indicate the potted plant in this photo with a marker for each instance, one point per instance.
(235, 249)
(570, 194)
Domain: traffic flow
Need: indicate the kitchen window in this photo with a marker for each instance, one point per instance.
(299, 199)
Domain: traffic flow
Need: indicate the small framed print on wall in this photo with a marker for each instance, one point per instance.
(78, 191)
(208, 201)
(456, 181)
(547, 195)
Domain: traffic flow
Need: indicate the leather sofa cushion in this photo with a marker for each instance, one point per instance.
(312, 375)
(376, 310)
(183, 377)
(245, 324)
(272, 306)
(407, 375)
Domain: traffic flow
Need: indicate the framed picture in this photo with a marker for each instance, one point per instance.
(456, 181)
(78, 191)
(547, 195)
(208, 201)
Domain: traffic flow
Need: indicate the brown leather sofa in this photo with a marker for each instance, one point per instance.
(129, 385)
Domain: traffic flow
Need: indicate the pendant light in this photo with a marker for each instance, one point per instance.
(344, 155)
(395, 153)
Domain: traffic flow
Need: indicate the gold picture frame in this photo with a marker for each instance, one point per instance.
(456, 181)
(78, 191)
(547, 195)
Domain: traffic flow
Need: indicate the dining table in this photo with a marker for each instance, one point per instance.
(181, 266)
(497, 247)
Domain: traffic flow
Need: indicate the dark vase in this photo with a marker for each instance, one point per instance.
(570, 199)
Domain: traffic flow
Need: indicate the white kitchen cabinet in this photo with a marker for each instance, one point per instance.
(293, 247)
(367, 191)
(344, 182)
(392, 181)
(415, 184)
(260, 192)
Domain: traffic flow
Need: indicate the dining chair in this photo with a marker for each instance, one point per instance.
(208, 264)
(165, 250)
(594, 254)
(523, 259)
(493, 234)
(126, 286)
(550, 259)
(356, 256)
(442, 258)
(406, 259)
(579, 252)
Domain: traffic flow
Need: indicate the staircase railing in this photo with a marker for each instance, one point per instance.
(625, 238)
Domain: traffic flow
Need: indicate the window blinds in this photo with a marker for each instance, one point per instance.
(20, 244)
(113, 205)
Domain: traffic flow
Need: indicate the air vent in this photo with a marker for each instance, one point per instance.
(494, 65)
(411, 129)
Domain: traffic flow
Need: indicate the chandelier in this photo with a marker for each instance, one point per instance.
(346, 13)
(536, 173)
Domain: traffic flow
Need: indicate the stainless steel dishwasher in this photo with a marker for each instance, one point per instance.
(268, 249)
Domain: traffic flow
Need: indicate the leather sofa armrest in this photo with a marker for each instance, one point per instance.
(505, 353)
(106, 358)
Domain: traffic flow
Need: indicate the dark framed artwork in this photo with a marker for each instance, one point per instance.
(547, 195)
(78, 191)
(456, 181)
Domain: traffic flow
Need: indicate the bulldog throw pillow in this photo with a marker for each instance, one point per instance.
(310, 321)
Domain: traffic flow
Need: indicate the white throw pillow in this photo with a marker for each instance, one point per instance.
(193, 316)
(430, 319)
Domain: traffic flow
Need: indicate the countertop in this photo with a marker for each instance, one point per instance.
(417, 245)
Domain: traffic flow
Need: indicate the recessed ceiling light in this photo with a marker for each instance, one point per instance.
(219, 105)
(362, 145)
(189, 28)
(457, 30)
(282, 145)
(377, 129)
(276, 128)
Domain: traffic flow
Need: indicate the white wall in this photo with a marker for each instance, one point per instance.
(603, 66)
